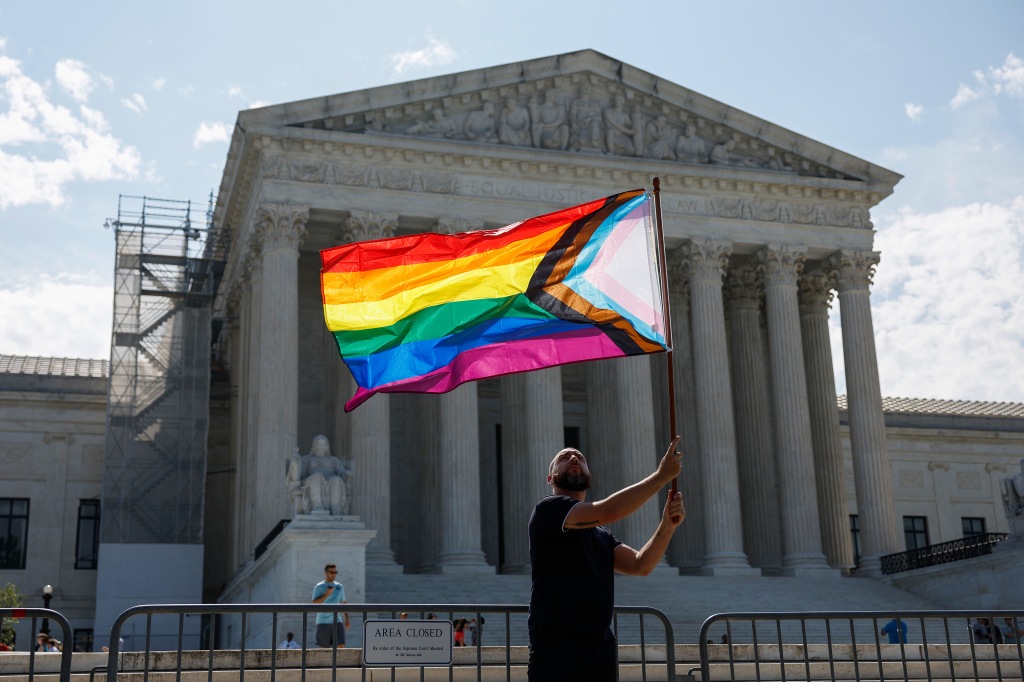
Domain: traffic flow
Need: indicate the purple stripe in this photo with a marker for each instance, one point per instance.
(497, 359)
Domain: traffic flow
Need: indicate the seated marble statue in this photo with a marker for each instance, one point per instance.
(318, 482)
(1013, 493)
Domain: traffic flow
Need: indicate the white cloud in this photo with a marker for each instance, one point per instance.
(963, 95)
(158, 83)
(1009, 78)
(914, 112)
(257, 104)
(136, 103)
(948, 308)
(893, 154)
(3, 42)
(44, 146)
(234, 91)
(211, 132)
(47, 307)
(72, 77)
(436, 53)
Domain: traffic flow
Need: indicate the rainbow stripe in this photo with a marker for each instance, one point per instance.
(428, 312)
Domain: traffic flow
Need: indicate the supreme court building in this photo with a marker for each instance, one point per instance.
(763, 228)
(767, 234)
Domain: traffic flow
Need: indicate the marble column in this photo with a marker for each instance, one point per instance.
(237, 356)
(801, 526)
(532, 431)
(369, 430)
(622, 397)
(426, 408)
(755, 448)
(815, 294)
(706, 261)
(459, 436)
(279, 230)
(687, 548)
(248, 377)
(879, 533)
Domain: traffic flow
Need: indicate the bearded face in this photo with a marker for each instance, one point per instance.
(576, 480)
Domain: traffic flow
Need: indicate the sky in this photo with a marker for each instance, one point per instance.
(113, 98)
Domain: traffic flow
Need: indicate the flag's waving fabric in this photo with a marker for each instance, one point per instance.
(427, 312)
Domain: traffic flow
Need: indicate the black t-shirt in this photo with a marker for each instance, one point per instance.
(573, 572)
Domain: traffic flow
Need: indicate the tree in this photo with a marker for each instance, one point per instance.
(10, 597)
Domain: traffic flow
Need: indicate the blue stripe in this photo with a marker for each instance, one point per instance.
(422, 357)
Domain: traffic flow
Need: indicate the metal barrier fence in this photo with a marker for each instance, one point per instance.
(244, 637)
(46, 615)
(939, 645)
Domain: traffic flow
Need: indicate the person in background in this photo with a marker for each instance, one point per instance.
(330, 591)
(1012, 631)
(897, 631)
(288, 642)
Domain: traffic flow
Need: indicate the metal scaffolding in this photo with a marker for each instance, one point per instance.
(168, 262)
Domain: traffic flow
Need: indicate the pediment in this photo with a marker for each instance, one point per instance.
(582, 102)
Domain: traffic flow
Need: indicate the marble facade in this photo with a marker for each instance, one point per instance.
(762, 226)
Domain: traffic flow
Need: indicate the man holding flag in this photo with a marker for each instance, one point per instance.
(573, 557)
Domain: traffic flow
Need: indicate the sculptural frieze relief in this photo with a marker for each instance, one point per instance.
(587, 118)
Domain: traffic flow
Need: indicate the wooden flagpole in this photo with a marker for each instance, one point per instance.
(663, 266)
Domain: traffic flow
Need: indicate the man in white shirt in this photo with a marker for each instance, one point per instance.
(288, 642)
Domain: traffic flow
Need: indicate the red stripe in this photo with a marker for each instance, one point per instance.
(432, 247)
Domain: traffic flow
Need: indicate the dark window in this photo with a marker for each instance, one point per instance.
(972, 526)
(855, 537)
(87, 545)
(571, 437)
(13, 531)
(915, 532)
(83, 639)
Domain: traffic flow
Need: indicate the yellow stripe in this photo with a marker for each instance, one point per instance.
(488, 282)
(384, 283)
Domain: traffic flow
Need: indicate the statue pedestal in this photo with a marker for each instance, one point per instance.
(287, 571)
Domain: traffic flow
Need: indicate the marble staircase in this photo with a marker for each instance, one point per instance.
(687, 601)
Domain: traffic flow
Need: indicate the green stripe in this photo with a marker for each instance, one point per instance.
(436, 322)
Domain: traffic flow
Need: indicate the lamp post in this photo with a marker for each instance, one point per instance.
(47, 596)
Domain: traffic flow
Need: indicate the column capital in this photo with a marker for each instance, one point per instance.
(280, 226)
(707, 258)
(815, 291)
(363, 225)
(853, 269)
(781, 264)
(744, 288)
(677, 262)
(448, 225)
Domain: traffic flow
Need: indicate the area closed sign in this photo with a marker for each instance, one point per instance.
(407, 642)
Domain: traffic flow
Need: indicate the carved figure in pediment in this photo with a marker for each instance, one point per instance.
(438, 125)
(586, 125)
(723, 154)
(777, 163)
(481, 125)
(661, 139)
(514, 124)
(550, 129)
(624, 133)
(689, 147)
